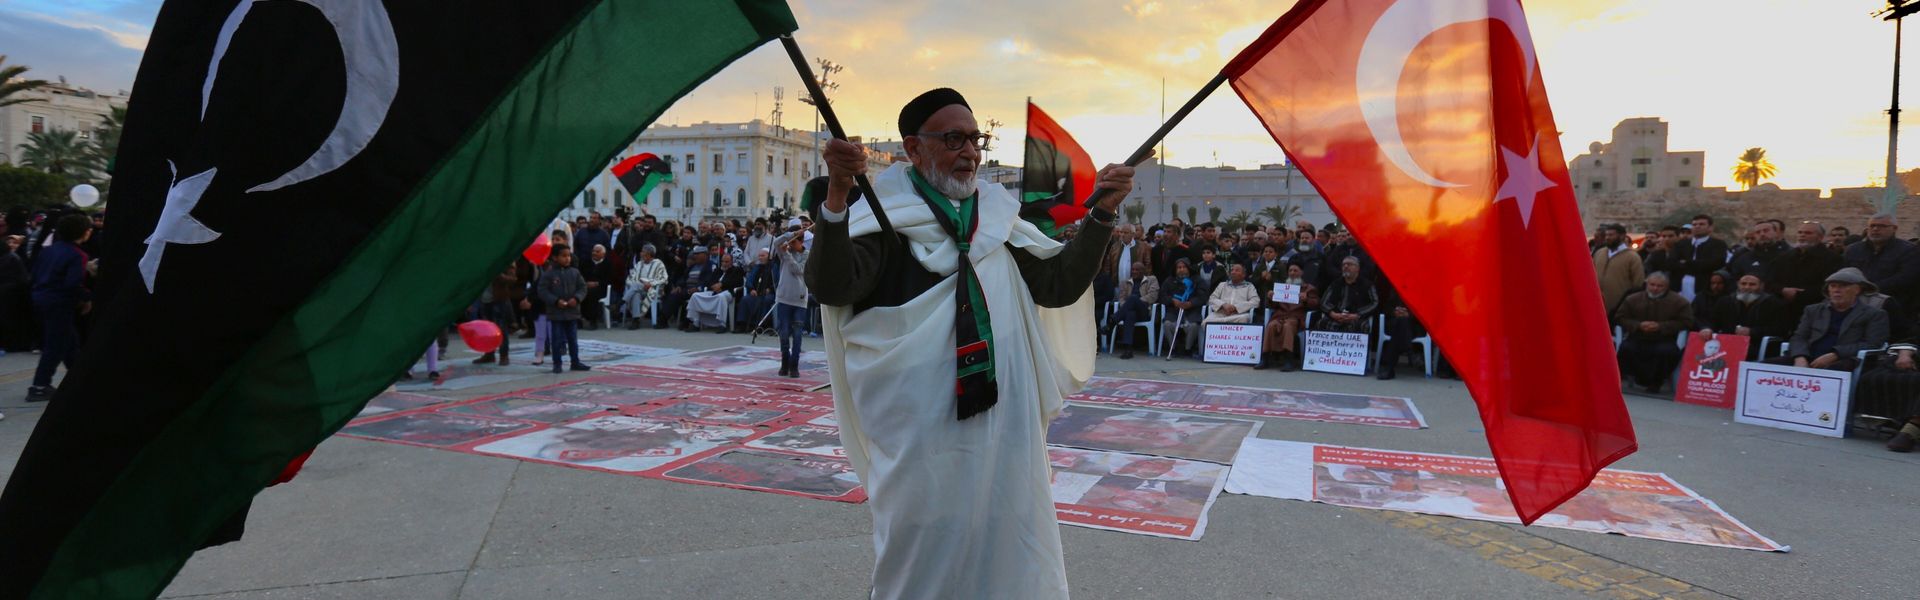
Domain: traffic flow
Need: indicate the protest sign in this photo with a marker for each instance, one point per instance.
(1708, 368)
(1330, 352)
(1794, 398)
(1286, 293)
(1233, 343)
(1149, 495)
(1159, 433)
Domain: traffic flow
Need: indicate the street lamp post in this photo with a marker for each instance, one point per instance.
(1896, 11)
(827, 84)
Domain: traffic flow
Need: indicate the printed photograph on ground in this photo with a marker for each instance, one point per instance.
(714, 413)
(742, 364)
(617, 443)
(603, 393)
(803, 439)
(390, 402)
(810, 476)
(1154, 432)
(528, 409)
(1151, 495)
(433, 429)
(1383, 411)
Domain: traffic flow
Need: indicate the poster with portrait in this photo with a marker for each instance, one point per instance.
(1326, 407)
(803, 439)
(433, 429)
(819, 477)
(1710, 368)
(1143, 431)
(596, 352)
(394, 401)
(617, 443)
(527, 409)
(1332, 352)
(711, 412)
(1631, 503)
(1148, 495)
(755, 365)
(1794, 398)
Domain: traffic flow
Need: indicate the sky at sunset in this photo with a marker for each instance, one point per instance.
(1808, 80)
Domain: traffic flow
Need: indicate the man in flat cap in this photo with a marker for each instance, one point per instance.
(947, 363)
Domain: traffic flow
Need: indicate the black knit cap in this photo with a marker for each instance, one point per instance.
(922, 108)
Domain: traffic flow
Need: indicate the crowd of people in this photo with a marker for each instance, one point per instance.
(1808, 295)
(45, 283)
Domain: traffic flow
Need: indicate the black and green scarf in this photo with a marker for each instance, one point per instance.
(975, 389)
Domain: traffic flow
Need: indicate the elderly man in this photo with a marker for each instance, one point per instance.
(644, 283)
(1749, 311)
(1123, 254)
(1799, 274)
(1652, 320)
(960, 486)
(1234, 300)
(1283, 327)
(1832, 333)
(1885, 259)
(756, 299)
(712, 306)
(1619, 267)
(599, 271)
(1350, 301)
(1136, 296)
(697, 276)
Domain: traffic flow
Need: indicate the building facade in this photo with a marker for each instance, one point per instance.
(1229, 189)
(1636, 160)
(55, 106)
(720, 171)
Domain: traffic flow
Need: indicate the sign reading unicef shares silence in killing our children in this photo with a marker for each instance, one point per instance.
(1233, 343)
(1707, 371)
(1795, 399)
(1330, 352)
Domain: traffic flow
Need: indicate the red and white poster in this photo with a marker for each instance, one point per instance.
(617, 443)
(818, 477)
(1631, 503)
(753, 365)
(1150, 495)
(1710, 370)
(1383, 411)
(1159, 433)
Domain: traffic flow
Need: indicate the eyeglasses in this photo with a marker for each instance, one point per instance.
(955, 140)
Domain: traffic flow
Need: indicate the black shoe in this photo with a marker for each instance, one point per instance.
(527, 336)
(40, 393)
(1266, 359)
(576, 366)
(633, 325)
(485, 359)
(1902, 442)
(1384, 375)
(1126, 353)
(433, 376)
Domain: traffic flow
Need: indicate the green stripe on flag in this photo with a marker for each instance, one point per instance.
(414, 274)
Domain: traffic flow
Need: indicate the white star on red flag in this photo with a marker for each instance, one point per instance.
(1525, 180)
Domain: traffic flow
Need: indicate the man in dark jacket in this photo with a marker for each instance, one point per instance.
(1800, 274)
(1350, 302)
(60, 297)
(1652, 320)
(1886, 260)
(1700, 256)
(1749, 311)
(496, 305)
(1832, 333)
(599, 272)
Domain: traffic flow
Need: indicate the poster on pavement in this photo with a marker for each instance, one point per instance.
(595, 352)
(1148, 495)
(1233, 343)
(1331, 352)
(803, 439)
(1709, 369)
(1631, 503)
(390, 402)
(1142, 431)
(738, 364)
(1793, 398)
(716, 413)
(528, 409)
(617, 443)
(432, 429)
(819, 477)
(1327, 407)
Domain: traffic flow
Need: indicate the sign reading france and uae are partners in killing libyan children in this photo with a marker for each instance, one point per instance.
(1793, 398)
(1331, 352)
(1233, 343)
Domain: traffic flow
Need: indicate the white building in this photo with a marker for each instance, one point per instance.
(1230, 189)
(53, 106)
(720, 170)
(1637, 160)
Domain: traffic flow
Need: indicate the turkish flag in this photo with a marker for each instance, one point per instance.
(1425, 125)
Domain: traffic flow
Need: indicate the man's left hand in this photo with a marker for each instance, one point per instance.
(1824, 360)
(1118, 178)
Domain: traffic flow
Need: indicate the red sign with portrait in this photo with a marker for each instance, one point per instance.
(1710, 370)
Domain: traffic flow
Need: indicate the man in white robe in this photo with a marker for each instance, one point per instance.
(958, 481)
(1235, 300)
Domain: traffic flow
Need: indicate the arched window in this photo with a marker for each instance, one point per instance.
(619, 197)
(689, 198)
(666, 198)
(590, 197)
(740, 198)
(769, 198)
(719, 199)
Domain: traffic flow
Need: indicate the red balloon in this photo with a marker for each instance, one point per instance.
(481, 336)
(537, 253)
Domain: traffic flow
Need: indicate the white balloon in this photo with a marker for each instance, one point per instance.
(84, 195)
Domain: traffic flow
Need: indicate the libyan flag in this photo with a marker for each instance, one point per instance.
(1057, 177)
(305, 194)
(640, 172)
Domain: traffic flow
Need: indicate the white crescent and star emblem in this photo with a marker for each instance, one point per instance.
(372, 57)
(1383, 58)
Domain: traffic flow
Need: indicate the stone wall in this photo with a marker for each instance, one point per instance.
(1641, 211)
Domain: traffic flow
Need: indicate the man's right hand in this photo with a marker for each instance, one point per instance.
(1649, 326)
(844, 161)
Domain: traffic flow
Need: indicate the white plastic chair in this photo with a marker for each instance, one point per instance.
(1155, 313)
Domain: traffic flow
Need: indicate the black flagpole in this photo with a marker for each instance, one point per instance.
(833, 125)
(1146, 148)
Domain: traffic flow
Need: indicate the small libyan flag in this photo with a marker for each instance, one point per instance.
(301, 202)
(1058, 176)
(640, 172)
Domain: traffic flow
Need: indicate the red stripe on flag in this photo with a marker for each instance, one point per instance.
(970, 348)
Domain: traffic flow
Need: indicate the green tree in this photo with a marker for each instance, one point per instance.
(1239, 220)
(1281, 214)
(1134, 212)
(1193, 215)
(1213, 213)
(1752, 167)
(1175, 206)
(30, 188)
(60, 152)
(106, 138)
(11, 83)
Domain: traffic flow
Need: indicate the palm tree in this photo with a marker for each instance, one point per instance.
(57, 151)
(1175, 210)
(1752, 167)
(1281, 214)
(105, 144)
(1193, 216)
(1213, 214)
(1134, 211)
(8, 86)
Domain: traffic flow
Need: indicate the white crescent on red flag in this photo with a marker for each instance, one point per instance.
(1425, 124)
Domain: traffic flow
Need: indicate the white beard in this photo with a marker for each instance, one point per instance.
(953, 188)
(1293, 281)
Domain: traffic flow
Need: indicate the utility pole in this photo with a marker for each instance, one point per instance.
(827, 84)
(1895, 11)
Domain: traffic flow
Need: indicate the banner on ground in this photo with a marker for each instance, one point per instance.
(1327, 407)
(1332, 352)
(1158, 433)
(740, 364)
(1709, 371)
(1635, 504)
(1149, 495)
(1793, 398)
(1233, 343)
